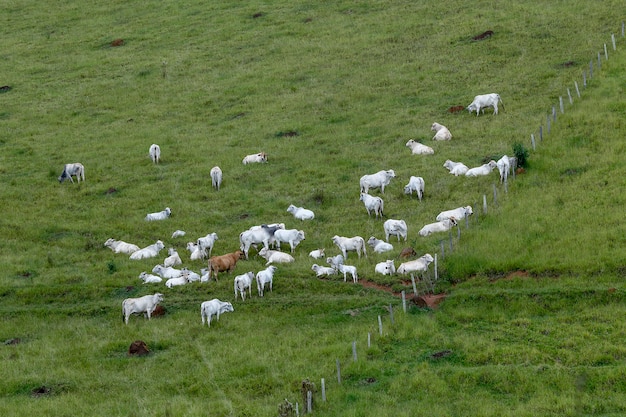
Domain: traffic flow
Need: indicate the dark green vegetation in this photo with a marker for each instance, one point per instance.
(330, 92)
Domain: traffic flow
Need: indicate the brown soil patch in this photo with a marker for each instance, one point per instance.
(517, 274)
(431, 301)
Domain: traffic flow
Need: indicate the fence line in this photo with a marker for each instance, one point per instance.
(550, 119)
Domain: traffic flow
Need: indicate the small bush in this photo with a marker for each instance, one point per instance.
(521, 153)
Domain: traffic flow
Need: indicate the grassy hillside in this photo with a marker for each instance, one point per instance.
(331, 92)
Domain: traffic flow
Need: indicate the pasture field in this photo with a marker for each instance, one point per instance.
(532, 322)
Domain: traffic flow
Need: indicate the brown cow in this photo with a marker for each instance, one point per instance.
(224, 263)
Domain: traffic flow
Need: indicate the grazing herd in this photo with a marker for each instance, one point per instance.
(266, 239)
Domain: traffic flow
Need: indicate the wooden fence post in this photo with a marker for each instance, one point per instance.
(436, 271)
(404, 299)
(369, 340)
(569, 95)
(323, 390)
(540, 134)
(380, 326)
(414, 286)
(532, 140)
(354, 351)
(613, 41)
(339, 370)
(584, 79)
(391, 313)
(484, 203)
(561, 104)
(577, 90)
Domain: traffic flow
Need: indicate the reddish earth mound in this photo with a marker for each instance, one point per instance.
(138, 348)
(431, 301)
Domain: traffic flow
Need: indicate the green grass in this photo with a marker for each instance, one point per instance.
(531, 323)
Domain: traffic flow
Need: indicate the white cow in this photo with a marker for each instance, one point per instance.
(212, 308)
(417, 265)
(145, 304)
(300, 213)
(69, 170)
(275, 256)
(167, 272)
(175, 282)
(216, 177)
(345, 244)
(161, 215)
(378, 245)
(323, 270)
(385, 268)
(504, 166)
(415, 184)
(260, 157)
(207, 242)
(178, 233)
(190, 275)
(483, 101)
(419, 148)
(205, 275)
(377, 180)
(241, 282)
(149, 278)
(442, 132)
(155, 153)
(348, 269)
(335, 261)
(263, 277)
(317, 253)
(396, 228)
(173, 258)
(456, 168)
(150, 251)
(484, 169)
(197, 253)
(257, 235)
(119, 246)
(291, 236)
(457, 213)
(373, 203)
(440, 226)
